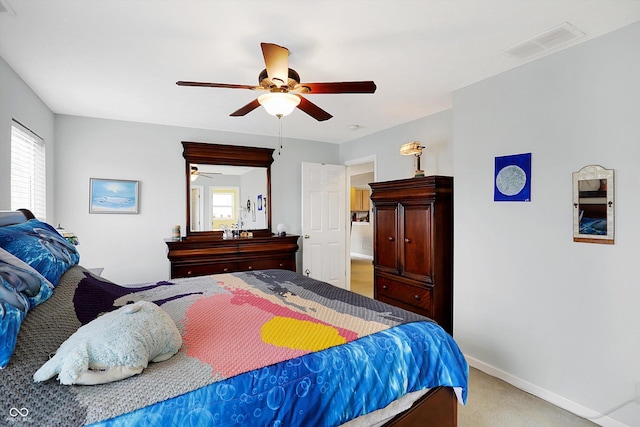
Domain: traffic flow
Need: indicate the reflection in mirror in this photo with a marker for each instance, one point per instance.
(227, 186)
(593, 213)
(228, 197)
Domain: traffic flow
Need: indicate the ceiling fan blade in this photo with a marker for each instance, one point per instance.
(246, 109)
(313, 110)
(276, 59)
(222, 85)
(341, 87)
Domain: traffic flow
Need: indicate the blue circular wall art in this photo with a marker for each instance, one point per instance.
(512, 178)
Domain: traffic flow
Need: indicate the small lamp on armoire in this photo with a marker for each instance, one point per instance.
(413, 149)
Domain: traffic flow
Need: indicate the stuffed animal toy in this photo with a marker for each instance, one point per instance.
(114, 346)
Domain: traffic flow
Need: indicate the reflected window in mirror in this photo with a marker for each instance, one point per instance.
(593, 208)
(224, 207)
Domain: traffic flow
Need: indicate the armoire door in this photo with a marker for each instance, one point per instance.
(416, 248)
(386, 238)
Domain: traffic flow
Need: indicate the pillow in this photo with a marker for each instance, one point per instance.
(21, 289)
(114, 346)
(39, 245)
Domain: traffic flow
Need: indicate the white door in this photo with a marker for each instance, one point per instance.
(197, 207)
(324, 223)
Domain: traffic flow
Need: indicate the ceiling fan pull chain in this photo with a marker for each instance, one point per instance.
(280, 134)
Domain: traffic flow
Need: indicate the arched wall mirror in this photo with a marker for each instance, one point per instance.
(227, 186)
(593, 207)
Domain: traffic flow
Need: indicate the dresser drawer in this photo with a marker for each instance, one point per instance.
(265, 264)
(403, 294)
(200, 256)
(203, 269)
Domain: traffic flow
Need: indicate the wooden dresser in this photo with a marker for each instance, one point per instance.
(197, 257)
(413, 246)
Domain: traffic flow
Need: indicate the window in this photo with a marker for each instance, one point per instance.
(28, 171)
(224, 202)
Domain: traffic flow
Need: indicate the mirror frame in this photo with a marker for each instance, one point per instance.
(230, 155)
(588, 173)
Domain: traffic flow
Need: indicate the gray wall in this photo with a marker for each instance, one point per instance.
(130, 247)
(557, 317)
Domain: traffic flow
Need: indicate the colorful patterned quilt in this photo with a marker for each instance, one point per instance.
(263, 348)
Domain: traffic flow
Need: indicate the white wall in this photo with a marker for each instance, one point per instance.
(19, 102)
(559, 316)
(131, 247)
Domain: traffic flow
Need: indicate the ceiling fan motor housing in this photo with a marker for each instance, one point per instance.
(294, 79)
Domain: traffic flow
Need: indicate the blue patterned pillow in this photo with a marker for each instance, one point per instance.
(21, 289)
(41, 246)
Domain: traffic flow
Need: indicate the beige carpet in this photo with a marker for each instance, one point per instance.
(495, 403)
(491, 402)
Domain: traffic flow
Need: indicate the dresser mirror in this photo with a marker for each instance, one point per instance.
(228, 187)
(593, 207)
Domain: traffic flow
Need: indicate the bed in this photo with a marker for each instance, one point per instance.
(260, 348)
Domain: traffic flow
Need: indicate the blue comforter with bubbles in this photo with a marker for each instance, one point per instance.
(327, 388)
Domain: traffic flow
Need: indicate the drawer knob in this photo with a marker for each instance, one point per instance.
(391, 238)
(407, 240)
(385, 287)
(282, 264)
(417, 297)
(189, 273)
(226, 269)
(250, 268)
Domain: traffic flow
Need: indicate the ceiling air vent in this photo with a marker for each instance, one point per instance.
(545, 42)
(5, 7)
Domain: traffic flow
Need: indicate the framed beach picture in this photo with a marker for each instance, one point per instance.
(113, 196)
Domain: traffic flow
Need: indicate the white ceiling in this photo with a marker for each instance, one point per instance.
(120, 59)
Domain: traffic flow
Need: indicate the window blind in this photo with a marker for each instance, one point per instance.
(28, 171)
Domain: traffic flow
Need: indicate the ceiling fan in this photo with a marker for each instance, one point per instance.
(195, 173)
(283, 88)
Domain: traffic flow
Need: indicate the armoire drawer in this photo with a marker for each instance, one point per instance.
(416, 296)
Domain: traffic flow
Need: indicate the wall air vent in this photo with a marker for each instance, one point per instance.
(545, 42)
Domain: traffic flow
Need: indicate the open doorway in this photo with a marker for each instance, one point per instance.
(360, 240)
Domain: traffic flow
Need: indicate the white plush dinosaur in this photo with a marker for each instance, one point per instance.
(114, 346)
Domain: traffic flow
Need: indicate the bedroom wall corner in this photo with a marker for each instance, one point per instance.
(433, 131)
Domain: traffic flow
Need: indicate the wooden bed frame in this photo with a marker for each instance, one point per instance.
(437, 408)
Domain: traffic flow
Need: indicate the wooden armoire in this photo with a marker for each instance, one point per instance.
(413, 245)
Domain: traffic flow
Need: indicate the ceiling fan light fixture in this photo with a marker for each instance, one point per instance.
(279, 104)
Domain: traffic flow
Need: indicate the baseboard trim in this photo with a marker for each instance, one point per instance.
(554, 399)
